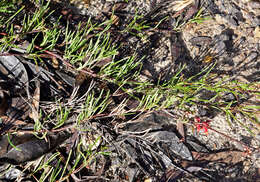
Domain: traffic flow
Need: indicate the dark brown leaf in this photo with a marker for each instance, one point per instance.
(3, 103)
(230, 157)
(32, 149)
(103, 62)
(191, 11)
(180, 128)
(80, 78)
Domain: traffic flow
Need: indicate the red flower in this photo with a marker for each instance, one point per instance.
(201, 125)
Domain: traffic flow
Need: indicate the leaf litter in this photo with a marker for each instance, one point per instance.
(52, 109)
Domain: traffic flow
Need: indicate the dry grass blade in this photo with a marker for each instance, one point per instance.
(35, 103)
(181, 4)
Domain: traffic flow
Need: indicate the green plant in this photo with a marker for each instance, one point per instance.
(199, 17)
(85, 46)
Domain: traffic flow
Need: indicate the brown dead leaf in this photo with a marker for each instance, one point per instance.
(176, 49)
(80, 78)
(191, 11)
(180, 128)
(103, 62)
(3, 103)
(230, 157)
(35, 103)
(6, 119)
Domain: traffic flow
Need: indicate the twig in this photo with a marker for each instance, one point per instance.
(235, 140)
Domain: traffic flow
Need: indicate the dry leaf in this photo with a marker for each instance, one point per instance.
(31, 148)
(19, 108)
(257, 32)
(35, 103)
(181, 4)
(6, 119)
(103, 62)
(180, 128)
(230, 157)
(11, 67)
(191, 11)
(80, 78)
(3, 103)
